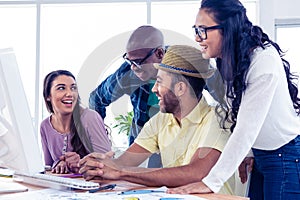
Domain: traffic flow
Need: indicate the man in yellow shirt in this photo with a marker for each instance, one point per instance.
(185, 132)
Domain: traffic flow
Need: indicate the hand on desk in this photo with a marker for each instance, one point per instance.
(192, 188)
(68, 163)
(94, 165)
(72, 159)
(60, 168)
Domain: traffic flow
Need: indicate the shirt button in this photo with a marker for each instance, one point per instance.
(279, 155)
(297, 160)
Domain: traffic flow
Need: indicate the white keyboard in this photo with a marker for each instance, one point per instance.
(46, 180)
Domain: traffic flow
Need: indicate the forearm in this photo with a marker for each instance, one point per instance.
(170, 177)
(195, 171)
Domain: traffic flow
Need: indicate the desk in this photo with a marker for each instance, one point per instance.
(124, 185)
(211, 196)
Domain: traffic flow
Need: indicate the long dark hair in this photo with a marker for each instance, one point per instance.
(80, 142)
(240, 38)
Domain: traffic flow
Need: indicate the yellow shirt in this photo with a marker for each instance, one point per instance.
(177, 144)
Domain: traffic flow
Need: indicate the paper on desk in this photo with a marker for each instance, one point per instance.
(7, 186)
(6, 172)
(47, 194)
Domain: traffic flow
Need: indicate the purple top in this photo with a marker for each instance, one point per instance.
(53, 141)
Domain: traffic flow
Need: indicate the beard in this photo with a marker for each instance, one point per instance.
(170, 103)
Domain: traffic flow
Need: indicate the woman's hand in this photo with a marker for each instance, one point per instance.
(72, 160)
(60, 168)
(198, 187)
(245, 167)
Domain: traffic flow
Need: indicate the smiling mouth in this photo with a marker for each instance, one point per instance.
(138, 71)
(203, 48)
(68, 102)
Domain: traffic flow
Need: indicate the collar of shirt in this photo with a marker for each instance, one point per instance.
(196, 115)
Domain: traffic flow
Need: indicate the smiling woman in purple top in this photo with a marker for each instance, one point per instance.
(71, 131)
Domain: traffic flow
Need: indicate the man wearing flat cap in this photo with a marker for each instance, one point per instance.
(185, 132)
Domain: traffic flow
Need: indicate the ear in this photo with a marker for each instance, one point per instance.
(180, 88)
(160, 53)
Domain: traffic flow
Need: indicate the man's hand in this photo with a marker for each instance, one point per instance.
(245, 167)
(91, 165)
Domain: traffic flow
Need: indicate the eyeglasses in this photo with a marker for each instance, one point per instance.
(201, 31)
(139, 62)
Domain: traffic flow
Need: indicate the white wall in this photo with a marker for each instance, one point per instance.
(269, 10)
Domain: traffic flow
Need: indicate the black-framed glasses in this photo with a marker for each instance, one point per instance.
(201, 31)
(139, 62)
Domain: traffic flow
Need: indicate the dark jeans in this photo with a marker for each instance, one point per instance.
(276, 173)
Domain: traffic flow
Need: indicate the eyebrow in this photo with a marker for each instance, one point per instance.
(158, 77)
(62, 84)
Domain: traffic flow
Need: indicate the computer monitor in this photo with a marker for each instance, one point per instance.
(19, 149)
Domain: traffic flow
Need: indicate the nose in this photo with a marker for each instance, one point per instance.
(154, 88)
(134, 67)
(69, 92)
(197, 38)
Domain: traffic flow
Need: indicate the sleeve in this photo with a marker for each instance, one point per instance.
(260, 89)
(123, 81)
(96, 131)
(148, 137)
(47, 156)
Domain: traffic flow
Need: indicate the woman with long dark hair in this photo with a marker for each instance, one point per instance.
(262, 103)
(71, 131)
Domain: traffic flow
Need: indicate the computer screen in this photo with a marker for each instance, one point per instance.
(19, 149)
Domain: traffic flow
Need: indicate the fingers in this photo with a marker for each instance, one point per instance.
(192, 188)
(72, 157)
(243, 172)
(91, 156)
(60, 168)
(178, 190)
(250, 166)
(90, 174)
(75, 169)
(62, 158)
(245, 167)
(90, 162)
(91, 168)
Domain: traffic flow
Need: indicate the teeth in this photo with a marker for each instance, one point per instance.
(203, 47)
(67, 101)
